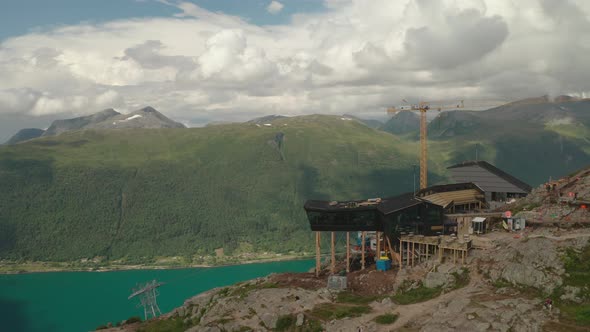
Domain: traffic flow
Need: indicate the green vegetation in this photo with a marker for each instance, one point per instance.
(461, 278)
(243, 290)
(289, 323)
(329, 311)
(501, 283)
(166, 325)
(285, 323)
(386, 319)
(132, 196)
(577, 266)
(348, 297)
(415, 295)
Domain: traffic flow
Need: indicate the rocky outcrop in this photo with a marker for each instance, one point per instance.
(60, 126)
(253, 304)
(531, 263)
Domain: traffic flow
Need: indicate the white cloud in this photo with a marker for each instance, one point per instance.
(274, 7)
(357, 57)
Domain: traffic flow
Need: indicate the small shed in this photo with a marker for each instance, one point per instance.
(478, 225)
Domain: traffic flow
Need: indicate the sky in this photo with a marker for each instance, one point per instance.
(203, 61)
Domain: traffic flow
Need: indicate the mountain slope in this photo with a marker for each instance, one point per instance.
(531, 139)
(60, 126)
(25, 135)
(146, 117)
(402, 123)
(371, 123)
(141, 193)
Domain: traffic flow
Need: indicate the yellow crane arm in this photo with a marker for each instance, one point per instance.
(423, 107)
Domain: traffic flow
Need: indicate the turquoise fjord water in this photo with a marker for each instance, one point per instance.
(81, 301)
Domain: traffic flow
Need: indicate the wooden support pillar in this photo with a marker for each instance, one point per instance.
(407, 253)
(401, 253)
(413, 251)
(390, 248)
(378, 236)
(363, 251)
(427, 250)
(463, 257)
(333, 257)
(317, 254)
(347, 252)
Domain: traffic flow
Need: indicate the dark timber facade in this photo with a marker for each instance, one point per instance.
(393, 215)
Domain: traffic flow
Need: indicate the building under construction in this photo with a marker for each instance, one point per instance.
(496, 184)
(411, 227)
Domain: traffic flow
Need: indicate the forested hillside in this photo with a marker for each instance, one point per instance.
(134, 194)
(163, 192)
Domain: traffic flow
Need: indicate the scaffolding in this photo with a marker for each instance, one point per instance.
(417, 248)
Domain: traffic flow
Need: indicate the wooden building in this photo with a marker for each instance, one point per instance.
(389, 218)
(458, 197)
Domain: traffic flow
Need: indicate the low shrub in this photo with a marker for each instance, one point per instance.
(386, 319)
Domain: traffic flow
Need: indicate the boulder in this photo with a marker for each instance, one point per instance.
(437, 279)
(300, 319)
(269, 320)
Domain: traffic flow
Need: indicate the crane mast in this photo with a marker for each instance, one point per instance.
(424, 107)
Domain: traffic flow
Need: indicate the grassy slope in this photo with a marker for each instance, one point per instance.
(144, 193)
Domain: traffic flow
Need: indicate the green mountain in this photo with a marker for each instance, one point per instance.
(25, 134)
(138, 193)
(402, 123)
(532, 140)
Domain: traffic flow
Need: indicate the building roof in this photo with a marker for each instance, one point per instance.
(333, 206)
(401, 202)
(459, 197)
(488, 183)
(448, 187)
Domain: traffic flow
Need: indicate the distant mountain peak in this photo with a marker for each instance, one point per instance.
(147, 117)
(25, 135)
(147, 109)
(402, 123)
(266, 119)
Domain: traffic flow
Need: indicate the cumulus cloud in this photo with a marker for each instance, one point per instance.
(356, 57)
(274, 7)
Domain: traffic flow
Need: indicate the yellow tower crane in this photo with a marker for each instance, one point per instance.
(424, 107)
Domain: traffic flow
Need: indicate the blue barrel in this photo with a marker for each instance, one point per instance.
(383, 264)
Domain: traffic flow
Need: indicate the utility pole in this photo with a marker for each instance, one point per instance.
(147, 298)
